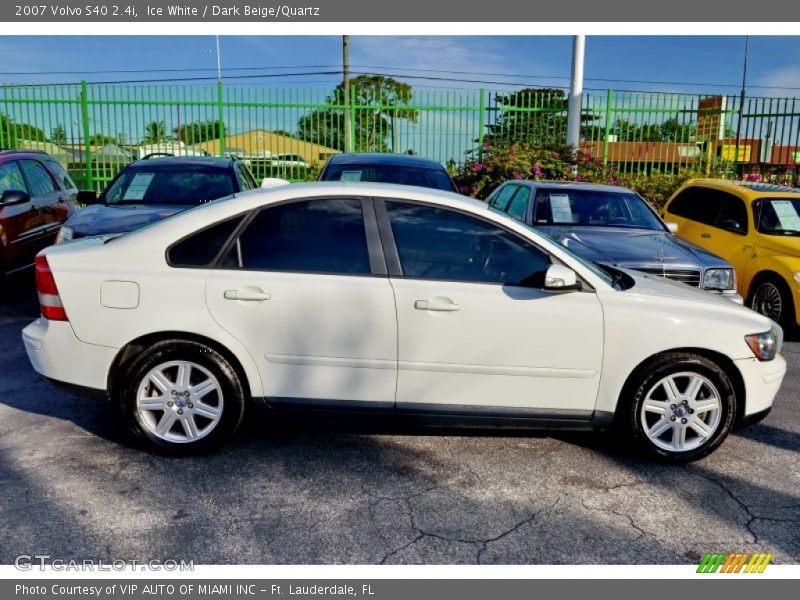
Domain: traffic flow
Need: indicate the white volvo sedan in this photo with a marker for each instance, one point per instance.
(355, 296)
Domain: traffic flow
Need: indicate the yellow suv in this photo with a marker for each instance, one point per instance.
(756, 227)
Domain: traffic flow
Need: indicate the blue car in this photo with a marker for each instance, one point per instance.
(615, 228)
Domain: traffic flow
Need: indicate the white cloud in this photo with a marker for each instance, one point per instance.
(776, 81)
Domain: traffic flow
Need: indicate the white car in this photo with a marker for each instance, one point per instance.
(390, 298)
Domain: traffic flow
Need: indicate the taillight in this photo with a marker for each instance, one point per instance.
(49, 300)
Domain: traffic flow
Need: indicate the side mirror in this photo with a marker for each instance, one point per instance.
(673, 227)
(12, 197)
(732, 225)
(271, 182)
(561, 279)
(87, 197)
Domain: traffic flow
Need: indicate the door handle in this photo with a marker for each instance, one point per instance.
(705, 235)
(437, 305)
(247, 294)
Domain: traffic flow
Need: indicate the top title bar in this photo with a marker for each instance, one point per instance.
(464, 11)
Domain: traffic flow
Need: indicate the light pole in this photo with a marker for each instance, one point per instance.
(348, 127)
(741, 107)
(575, 94)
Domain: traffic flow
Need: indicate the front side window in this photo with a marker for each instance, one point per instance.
(501, 197)
(11, 178)
(519, 205)
(170, 185)
(311, 236)
(436, 243)
(39, 179)
(733, 214)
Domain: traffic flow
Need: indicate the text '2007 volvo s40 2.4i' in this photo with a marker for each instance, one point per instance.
(389, 298)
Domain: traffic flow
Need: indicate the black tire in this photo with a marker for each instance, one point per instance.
(646, 378)
(231, 391)
(760, 301)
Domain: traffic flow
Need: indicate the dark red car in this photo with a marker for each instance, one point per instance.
(38, 195)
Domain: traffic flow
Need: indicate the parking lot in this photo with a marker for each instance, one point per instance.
(300, 491)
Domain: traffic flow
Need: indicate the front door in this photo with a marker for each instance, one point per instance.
(476, 329)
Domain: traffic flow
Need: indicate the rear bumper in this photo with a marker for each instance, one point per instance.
(58, 355)
(762, 380)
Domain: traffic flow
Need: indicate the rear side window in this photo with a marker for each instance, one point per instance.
(246, 181)
(200, 249)
(312, 236)
(697, 204)
(62, 174)
(39, 179)
(11, 178)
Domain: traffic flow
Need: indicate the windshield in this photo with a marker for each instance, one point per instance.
(778, 216)
(403, 175)
(596, 269)
(186, 185)
(593, 208)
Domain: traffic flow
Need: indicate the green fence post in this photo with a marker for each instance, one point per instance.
(87, 147)
(220, 107)
(481, 124)
(609, 100)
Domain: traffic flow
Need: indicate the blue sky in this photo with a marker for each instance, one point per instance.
(712, 62)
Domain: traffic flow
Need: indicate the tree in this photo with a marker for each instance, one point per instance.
(670, 130)
(58, 135)
(377, 103)
(101, 139)
(199, 131)
(12, 133)
(155, 132)
(530, 116)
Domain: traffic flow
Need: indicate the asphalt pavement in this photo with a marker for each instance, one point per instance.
(300, 491)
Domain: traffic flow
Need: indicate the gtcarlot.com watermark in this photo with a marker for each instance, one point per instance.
(42, 562)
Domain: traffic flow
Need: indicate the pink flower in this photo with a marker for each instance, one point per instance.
(580, 178)
(517, 175)
(537, 170)
(473, 189)
(512, 150)
(485, 146)
(462, 189)
(613, 181)
(791, 168)
(477, 166)
(753, 177)
(556, 154)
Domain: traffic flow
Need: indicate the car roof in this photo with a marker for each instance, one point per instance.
(376, 158)
(751, 188)
(40, 154)
(211, 161)
(573, 185)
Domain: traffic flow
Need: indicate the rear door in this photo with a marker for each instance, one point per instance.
(48, 201)
(304, 288)
(16, 221)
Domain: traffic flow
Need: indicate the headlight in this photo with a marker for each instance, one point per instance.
(719, 279)
(65, 234)
(796, 276)
(764, 345)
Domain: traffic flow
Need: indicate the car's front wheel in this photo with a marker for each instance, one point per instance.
(772, 298)
(682, 406)
(182, 397)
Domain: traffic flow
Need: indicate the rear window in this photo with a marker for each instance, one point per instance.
(186, 185)
(402, 175)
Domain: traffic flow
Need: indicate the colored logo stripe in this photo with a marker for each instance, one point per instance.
(734, 563)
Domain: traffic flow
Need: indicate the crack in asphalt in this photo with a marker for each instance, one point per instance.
(751, 517)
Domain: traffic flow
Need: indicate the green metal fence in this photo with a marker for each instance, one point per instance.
(96, 129)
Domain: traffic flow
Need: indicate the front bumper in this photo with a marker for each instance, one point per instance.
(762, 380)
(731, 295)
(57, 354)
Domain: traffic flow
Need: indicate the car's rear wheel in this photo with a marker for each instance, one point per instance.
(682, 406)
(772, 298)
(182, 396)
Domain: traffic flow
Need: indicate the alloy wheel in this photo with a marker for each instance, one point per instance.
(179, 401)
(768, 301)
(681, 412)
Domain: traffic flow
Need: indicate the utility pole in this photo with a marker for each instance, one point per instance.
(741, 108)
(576, 94)
(219, 63)
(348, 126)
